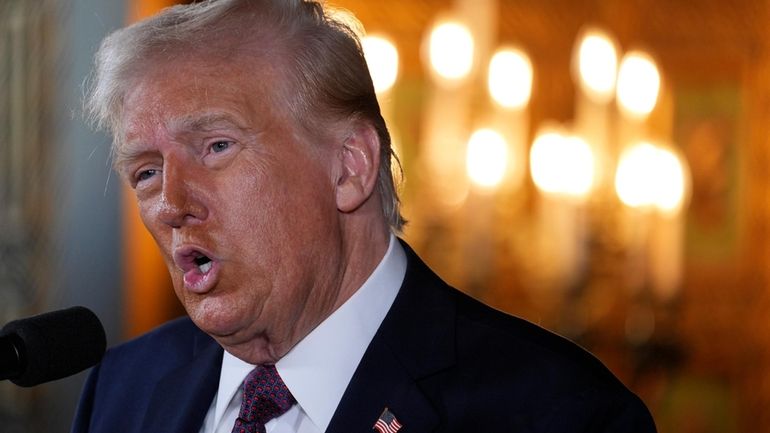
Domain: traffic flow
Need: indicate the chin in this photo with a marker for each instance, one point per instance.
(216, 320)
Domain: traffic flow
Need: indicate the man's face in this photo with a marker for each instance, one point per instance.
(240, 203)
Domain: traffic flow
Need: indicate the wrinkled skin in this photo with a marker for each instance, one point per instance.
(219, 171)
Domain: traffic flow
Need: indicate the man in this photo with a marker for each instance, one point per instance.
(251, 134)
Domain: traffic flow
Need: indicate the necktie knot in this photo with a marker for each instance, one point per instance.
(265, 397)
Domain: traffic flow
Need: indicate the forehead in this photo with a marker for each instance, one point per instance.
(172, 83)
(168, 92)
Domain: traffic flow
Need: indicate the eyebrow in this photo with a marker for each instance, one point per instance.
(121, 157)
(125, 154)
(206, 122)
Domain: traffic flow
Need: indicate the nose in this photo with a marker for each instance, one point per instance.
(182, 198)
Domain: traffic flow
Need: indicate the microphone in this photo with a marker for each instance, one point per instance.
(50, 346)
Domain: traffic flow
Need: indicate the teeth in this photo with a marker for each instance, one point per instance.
(205, 267)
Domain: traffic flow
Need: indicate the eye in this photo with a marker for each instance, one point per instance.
(220, 146)
(146, 174)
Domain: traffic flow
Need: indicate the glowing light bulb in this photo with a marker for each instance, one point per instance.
(450, 51)
(672, 182)
(382, 59)
(638, 84)
(562, 164)
(486, 158)
(597, 65)
(510, 78)
(651, 176)
(633, 178)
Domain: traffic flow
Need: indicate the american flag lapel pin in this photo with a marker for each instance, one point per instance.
(387, 422)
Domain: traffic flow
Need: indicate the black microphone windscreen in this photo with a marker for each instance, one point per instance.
(57, 344)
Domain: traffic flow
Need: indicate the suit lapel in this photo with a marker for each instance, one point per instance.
(415, 340)
(181, 399)
(383, 382)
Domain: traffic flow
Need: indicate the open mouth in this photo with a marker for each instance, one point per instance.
(203, 263)
(200, 268)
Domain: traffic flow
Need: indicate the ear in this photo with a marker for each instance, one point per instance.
(360, 159)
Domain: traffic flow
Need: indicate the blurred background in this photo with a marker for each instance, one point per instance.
(598, 167)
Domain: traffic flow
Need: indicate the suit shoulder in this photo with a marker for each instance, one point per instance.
(120, 387)
(553, 381)
(512, 344)
(132, 368)
(175, 340)
(489, 341)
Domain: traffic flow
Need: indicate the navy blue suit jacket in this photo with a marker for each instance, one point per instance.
(441, 362)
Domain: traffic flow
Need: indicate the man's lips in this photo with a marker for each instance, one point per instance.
(200, 268)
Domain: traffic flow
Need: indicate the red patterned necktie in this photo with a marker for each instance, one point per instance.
(265, 397)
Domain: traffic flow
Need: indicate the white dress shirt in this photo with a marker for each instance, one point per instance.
(318, 369)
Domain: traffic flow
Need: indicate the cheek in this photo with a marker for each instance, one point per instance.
(276, 203)
(148, 213)
(270, 193)
(285, 224)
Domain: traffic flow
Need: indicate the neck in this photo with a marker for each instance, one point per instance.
(363, 250)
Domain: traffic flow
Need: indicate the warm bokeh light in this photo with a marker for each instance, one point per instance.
(510, 78)
(450, 50)
(597, 65)
(650, 175)
(638, 84)
(562, 164)
(486, 158)
(382, 58)
(672, 182)
(634, 173)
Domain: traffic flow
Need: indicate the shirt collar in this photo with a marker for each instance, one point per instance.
(232, 374)
(317, 370)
